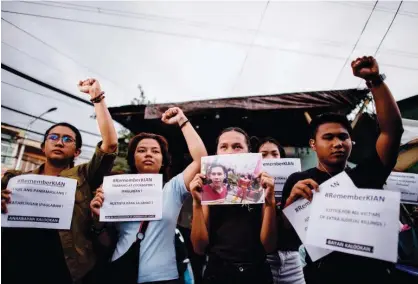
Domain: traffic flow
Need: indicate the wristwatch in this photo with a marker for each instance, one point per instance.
(375, 82)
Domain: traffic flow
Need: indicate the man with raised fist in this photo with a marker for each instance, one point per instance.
(330, 138)
(33, 255)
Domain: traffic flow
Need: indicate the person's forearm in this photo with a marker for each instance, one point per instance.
(268, 233)
(194, 143)
(199, 235)
(106, 127)
(387, 110)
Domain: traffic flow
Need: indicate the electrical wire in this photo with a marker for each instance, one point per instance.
(388, 29)
(58, 51)
(36, 93)
(43, 119)
(154, 17)
(355, 46)
(323, 55)
(250, 47)
(384, 36)
(27, 54)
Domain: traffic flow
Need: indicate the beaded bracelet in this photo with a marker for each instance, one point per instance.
(98, 99)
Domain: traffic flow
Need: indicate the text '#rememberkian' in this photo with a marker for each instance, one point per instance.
(41, 182)
(376, 198)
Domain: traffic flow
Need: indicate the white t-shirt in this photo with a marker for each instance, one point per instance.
(157, 253)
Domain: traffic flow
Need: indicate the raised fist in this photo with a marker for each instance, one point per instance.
(365, 67)
(91, 87)
(173, 115)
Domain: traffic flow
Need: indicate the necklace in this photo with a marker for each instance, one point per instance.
(325, 169)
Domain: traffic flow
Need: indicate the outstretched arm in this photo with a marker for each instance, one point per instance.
(388, 114)
(195, 144)
(104, 120)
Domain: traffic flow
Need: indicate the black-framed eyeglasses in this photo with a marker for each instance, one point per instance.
(66, 139)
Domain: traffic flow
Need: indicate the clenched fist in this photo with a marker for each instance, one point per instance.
(365, 67)
(91, 87)
(173, 115)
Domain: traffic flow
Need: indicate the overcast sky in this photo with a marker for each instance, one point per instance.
(180, 51)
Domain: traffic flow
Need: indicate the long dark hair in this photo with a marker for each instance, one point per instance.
(166, 166)
(239, 130)
(273, 141)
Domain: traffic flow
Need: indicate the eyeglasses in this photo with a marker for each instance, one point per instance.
(65, 138)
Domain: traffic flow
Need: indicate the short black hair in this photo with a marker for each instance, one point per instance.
(216, 165)
(329, 118)
(273, 141)
(78, 139)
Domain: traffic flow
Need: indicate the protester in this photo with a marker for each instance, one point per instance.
(148, 154)
(235, 237)
(61, 256)
(286, 266)
(331, 140)
(271, 149)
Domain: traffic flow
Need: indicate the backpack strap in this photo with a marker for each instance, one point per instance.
(141, 231)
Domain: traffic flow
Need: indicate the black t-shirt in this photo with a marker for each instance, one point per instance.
(370, 173)
(234, 233)
(33, 256)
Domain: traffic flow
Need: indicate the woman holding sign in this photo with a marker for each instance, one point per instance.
(286, 265)
(148, 154)
(235, 237)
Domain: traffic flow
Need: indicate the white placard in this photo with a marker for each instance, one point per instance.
(356, 221)
(342, 180)
(136, 197)
(298, 215)
(299, 211)
(39, 201)
(281, 169)
(406, 184)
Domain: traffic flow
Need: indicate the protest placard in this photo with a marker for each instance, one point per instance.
(406, 184)
(232, 179)
(298, 214)
(39, 201)
(133, 197)
(356, 221)
(280, 170)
